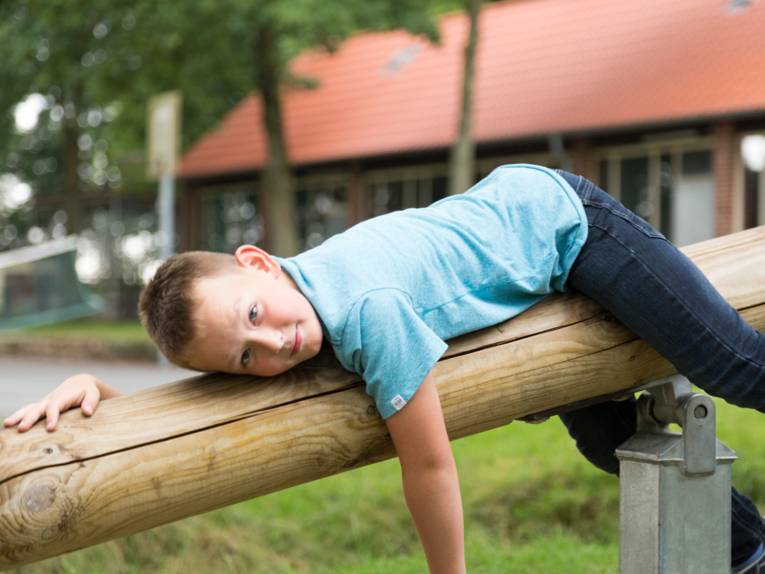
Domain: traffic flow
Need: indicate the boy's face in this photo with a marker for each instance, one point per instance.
(253, 319)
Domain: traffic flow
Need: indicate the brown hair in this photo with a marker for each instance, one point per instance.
(165, 306)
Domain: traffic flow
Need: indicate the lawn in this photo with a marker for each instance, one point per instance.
(116, 331)
(532, 504)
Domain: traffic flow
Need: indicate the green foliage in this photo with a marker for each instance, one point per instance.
(97, 62)
(110, 57)
(86, 330)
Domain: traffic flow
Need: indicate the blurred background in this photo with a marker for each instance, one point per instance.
(289, 122)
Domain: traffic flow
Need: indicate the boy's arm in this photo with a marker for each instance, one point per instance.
(431, 485)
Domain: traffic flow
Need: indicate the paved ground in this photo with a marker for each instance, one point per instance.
(25, 380)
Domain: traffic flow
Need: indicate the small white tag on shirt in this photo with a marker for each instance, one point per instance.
(398, 402)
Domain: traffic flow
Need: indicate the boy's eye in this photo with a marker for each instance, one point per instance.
(253, 314)
(245, 357)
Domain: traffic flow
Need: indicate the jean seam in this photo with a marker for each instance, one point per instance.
(625, 217)
(582, 182)
(684, 303)
(755, 532)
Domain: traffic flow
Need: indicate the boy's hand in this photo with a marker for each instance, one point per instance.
(79, 390)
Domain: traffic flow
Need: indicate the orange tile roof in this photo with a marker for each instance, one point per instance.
(543, 66)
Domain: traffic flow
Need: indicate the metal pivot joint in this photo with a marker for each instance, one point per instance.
(675, 488)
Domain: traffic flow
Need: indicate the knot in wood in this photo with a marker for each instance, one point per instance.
(40, 496)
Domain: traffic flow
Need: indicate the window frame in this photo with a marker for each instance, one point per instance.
(653, 150)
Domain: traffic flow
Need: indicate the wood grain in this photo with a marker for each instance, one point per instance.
(195, 445)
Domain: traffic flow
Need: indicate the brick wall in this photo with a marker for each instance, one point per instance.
(723, 166)
(583, 159)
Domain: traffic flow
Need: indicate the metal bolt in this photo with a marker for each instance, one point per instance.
(700, 412)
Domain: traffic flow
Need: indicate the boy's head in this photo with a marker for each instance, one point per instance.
(236, 313)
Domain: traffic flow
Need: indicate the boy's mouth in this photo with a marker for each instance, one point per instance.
(298, 341)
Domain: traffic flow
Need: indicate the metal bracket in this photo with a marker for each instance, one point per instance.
(675, 402)
(663, 477)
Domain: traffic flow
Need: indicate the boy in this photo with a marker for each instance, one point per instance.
(387, 292)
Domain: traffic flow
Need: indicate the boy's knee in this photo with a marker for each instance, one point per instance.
(599, 430)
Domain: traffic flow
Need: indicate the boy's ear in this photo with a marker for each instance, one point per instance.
(257, 258)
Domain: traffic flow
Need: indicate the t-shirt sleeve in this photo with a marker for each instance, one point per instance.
(391, 347)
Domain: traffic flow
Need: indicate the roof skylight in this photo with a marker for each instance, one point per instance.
(402, 58)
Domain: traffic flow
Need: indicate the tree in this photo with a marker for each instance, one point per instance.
(462, 160)
(96, 62)
(280, 31)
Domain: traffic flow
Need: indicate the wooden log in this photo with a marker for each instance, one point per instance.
(196, 445)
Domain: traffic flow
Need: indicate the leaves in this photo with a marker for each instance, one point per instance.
(97, 62)
(99, 54)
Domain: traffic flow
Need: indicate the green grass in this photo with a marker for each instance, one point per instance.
(113, 331)
(532, 504)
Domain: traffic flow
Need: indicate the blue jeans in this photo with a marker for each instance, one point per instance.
(644, 281)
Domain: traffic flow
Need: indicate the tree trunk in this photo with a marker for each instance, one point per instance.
(462, 161)
(72, 192)
(277, 183)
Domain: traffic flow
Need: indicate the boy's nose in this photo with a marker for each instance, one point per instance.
(270, 339)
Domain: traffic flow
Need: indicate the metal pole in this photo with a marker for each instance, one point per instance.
(166, 216)
(675, 489)
(166, 206)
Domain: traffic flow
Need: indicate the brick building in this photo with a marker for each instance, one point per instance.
(650, 99)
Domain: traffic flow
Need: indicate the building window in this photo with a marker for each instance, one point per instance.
(697, 163)
(322, 209)
(671, 186)
(229, 219)
(693, 199)
(603, 174)
(391, 190)
(666, 179)
(634, 186)
(752, 194)
(386, 196)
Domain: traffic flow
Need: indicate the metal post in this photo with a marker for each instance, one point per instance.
(166, 217)
(166, 208)
(675, 488)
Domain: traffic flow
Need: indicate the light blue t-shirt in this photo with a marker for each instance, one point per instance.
(391, 289)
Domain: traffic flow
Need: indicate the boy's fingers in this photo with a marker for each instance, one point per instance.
(18, 415)
(51, 414)
(9, 422)
(31, 417)
(90, 402)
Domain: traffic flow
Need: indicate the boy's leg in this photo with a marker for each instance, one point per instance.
(600, 428)
(657, 292)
